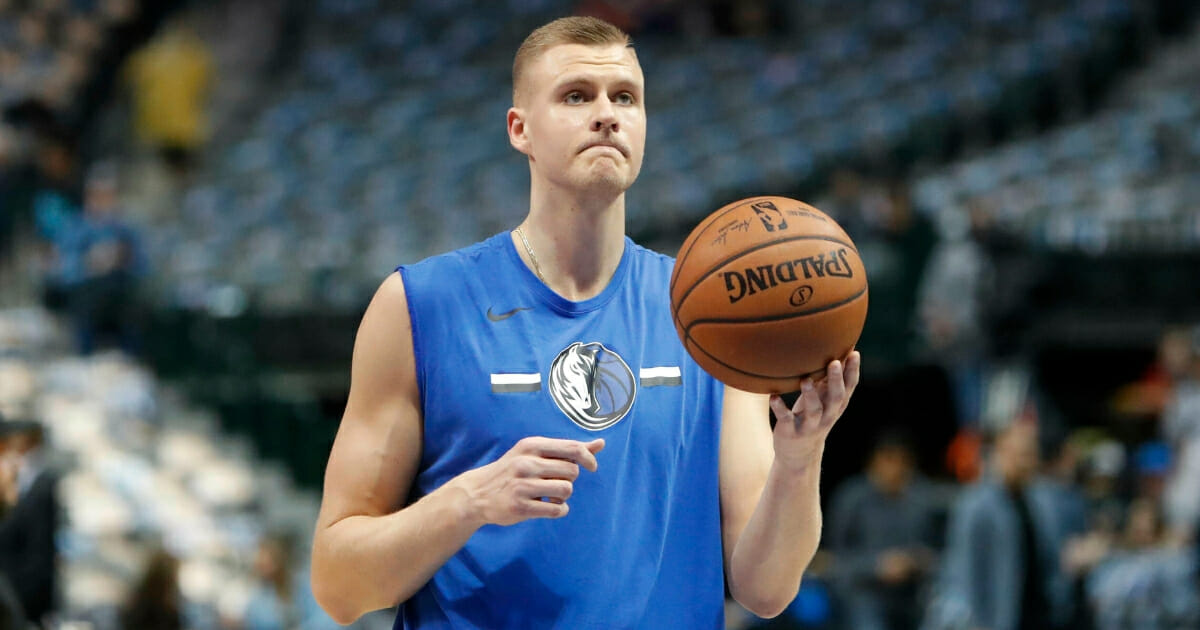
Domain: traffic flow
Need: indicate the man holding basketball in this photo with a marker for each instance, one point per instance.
(485, 379)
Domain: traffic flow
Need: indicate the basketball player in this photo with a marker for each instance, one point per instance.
(526, 442)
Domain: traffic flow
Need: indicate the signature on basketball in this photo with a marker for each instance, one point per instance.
(736, 225)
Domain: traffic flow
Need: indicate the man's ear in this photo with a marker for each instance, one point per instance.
(516, 130)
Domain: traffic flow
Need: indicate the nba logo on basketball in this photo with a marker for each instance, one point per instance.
(771, 217)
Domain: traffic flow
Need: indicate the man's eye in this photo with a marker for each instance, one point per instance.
(573, 98)
(625, 98)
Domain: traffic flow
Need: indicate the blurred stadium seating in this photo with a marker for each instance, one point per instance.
(51, 50)
(1123, 179)
(382, 140)
(144, 469)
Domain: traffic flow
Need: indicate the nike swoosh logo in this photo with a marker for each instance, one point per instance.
(498, 317)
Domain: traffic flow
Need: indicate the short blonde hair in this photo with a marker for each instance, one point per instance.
(588, 31)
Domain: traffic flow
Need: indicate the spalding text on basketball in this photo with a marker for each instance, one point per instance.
(751, 280)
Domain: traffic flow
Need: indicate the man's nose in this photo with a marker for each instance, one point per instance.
(604, 115)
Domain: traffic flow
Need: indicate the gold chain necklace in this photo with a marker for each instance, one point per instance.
(537, 269)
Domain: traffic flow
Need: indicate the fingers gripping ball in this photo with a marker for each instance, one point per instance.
(766, 292)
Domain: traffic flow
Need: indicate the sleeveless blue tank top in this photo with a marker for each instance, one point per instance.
(500, 357)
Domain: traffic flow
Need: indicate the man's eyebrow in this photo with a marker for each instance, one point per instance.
(578, 80)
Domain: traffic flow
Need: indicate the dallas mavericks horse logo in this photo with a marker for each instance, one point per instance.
(592, 385)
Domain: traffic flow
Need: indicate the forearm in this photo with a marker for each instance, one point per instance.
(779, 540)
(364, 563)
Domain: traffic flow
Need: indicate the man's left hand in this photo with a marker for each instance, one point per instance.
(800, 432)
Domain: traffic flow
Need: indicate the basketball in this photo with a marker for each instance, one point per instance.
(766, 292)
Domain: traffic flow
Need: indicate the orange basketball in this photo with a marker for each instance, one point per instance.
(766, 292)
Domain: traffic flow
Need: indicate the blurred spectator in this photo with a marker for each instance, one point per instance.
(12, 617)
(1001, 567)
(895, 249)
(882, 534)
(27, 125)
(1103, 466)
(27, 552)
(1059, 482)
(56, 191)
(964, 458)
(1147, 583)
(282, 599)
(155, 601)
(1152, 462)
(952, 311)
(1058, 488)
(1150, 394)
(1181, 429)
(170, 79)
(99, 264)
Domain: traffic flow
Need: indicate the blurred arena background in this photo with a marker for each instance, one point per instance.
(197, 200)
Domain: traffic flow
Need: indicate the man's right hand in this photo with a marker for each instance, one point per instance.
(533, 479)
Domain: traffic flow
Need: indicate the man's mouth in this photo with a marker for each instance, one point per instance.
(604, 145)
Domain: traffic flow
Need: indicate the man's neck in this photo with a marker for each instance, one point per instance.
(576, 241)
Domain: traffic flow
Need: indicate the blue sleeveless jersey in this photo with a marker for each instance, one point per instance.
(501, 357)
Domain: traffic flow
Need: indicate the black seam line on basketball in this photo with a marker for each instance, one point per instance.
(754, 374)
(775, 318)
(714, 219)
(688, 337)
(746, 252)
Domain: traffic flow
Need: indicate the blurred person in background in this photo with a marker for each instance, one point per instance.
(882, 533)
(282, 598)
(100, 262)
(9, 467)
(1169, 392)
(1180, 430)
(28, 556)
(170, 79)
(1103, 468)
(1148, 580)
(952, 308)
(12, 616)
(1150, 395)
(1059, 480)
(54, 202)
(1058, 488)
(1001, 565)
(895, 247)
(155, 600)
(56, 190)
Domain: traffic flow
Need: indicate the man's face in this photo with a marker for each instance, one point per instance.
(1017, 450)
(580, 118)
(893, 468)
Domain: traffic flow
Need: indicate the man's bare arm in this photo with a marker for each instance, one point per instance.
(770, 487)
(369, 550)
